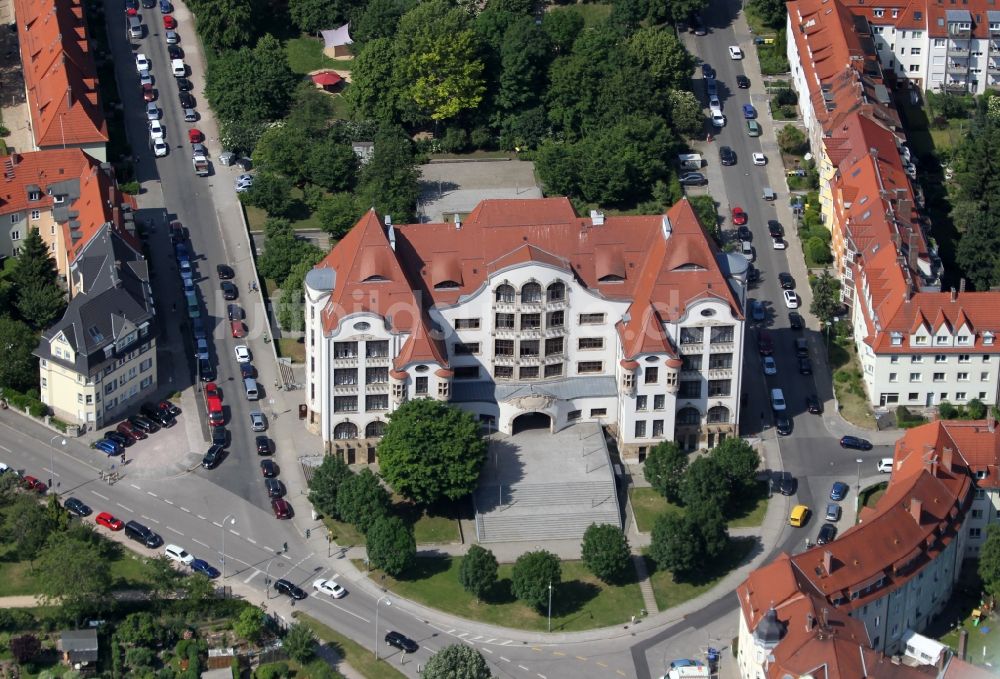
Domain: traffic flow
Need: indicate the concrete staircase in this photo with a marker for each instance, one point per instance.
(544, 511)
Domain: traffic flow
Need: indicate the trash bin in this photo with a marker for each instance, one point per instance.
(303, 411)
(227, 158)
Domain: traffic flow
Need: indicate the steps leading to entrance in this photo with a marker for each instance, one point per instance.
(543, 526)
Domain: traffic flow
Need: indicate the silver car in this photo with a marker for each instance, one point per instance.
(152, 111)
(257, 421)
(145, 78)
(244, 182)
(172, 37)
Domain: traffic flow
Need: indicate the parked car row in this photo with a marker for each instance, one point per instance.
(151, 417)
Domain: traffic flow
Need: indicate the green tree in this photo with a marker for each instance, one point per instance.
(738, 462)
(524, 57)
(389, 181)
(73, 574)
(376, 90)
(771, 12)
(311, 109)
(819, 250)
(291, 307)
(313, 16)
(976, 409)
(300, 643)
(270, 192)
(163, 575)
(40, 305)
(361, 500)
(249, 624)
(534, 573)
(792, 140)
(684, 113)
(251, 86)
(704, 482)
(478, 572)
(282, 253)
(562, 26)
(139, 629)
(675, 11)
(38, 298)
(391, 546)
(332, 165)
(826, 297)
(660, 53)
(139, 659)
(675, 545)
(605, 552)
(28, 527)
(711, 528)
(198, 587)
(325, 484)
(664, 469)
(436, 56)
(378, 19)
(282, 149)
(457, 661)
(338, 213)
(619, 164)
(56, 515)
(225, 24)
(320, 669)
(431, 451)
(989, 561)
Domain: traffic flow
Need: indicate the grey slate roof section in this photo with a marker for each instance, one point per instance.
(71, 190)
(993, 16)
(80, 644)
(322, 280)
(565, 389)
(958, 15)
(116, 300)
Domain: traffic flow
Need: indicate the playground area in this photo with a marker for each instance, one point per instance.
(970, 610)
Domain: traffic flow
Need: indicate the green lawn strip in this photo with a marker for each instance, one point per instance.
(293, 348)
(359, 658)
(669, 593)
(752, 508)
(580, 602)
(430, 525)
(847, 384)
(592, 14)
(344, 534)
(126, 572)
(647, 504)
(305, 55)
(870, 495)
(299, 216)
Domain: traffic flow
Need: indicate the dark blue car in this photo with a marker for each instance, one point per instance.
(109, 447)
(166, 7)
(839, 491)
(205, 568)
(855, 442)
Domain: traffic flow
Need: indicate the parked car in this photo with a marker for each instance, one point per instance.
(144, 424)
(220, 436)
(765, 345)
(175, 52)
(784, 483)
(286, 587)
(795, 321)
(855, 443)
(109, 521)
(108, 447)
(225, 272)
(743, 82)
(178, 554)
(783, 424)
(169, 407)
(213, 457)
(141, 62)
(178, 68)
(229, 291)
(770, 367)
(774, 228)
(156, 129)
(753, 128)
(212, 390)
(791, 299)
(152, 111)
(833, 512)
(268, 468)
(247, 370)
(239, 329)
(185, 100)
(727, 156)
(148, 93)
(884, 465)
(759, 158)
(166, 7)
(838, 491)
(120, 439)
(33, 484)
(274, 487)
(131, 7)
(813, 405)
(172, 38)
(403, 643)
(757, 312)
(128, 429)
(707, 71)
(206, 371)
(263, 445)
(805, 366)
(281, 508)
(693, 179)
(184, 85)
(735, 52)
(786, 281)
(205, 568)
(257, 421)
(169, 22)
(740, 217)
(160, 147)
(744, 234)
(827, 533)
(329, 587)
(749, 112)
(153, 412)
(76, 507)
(242, 353)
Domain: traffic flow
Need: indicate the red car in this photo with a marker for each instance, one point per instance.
(127, 429)
(31, 483)
(108, 520)
(282, 510)
(764, 343)
(195, 136)
(148, 93)
(239, 329)
(212, 391)
(739, 216)
(169, 22)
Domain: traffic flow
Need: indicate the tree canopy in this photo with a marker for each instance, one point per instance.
(431, 451)
(533, 575)
(38, 297)
(478, 572)
(72, 572)
(457, 661)
(605, 552)
(19, 370)
(361, 500)
(325, 484)
(989, 560)
(664, 469)
(391, 546)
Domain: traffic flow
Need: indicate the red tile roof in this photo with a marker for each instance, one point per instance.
(59, 73)
(623, 258)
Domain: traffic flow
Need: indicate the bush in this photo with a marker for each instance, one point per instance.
(274, 670)
(905, 419)
(818, 251)
(455, 140)
(22, 401)
(786, 96)
(605, 552)
(4, 132)
(131, 188)
(792, 140)
(533, 574)
(947, 411)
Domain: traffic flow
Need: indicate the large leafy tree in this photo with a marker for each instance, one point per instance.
(378, 19)
(283, 252)
(431, 451)
(325, 484)
(605, 552)
(533, 575)
(772, 12)
(362, 500)
(662, 56)
(989, 560)
(738, 462)
(331, 165)
(391, 545)
(250, 624)
(300, 643)
(389, 181)
(436, 56)
(457, 660)
(675, 545)
(478, 572)
(73, 573)
(704, 481)
(282, 150)
(524, 56)
(28, 527)
(676, 11)
(664, 469)
(562, 27)
(684, 113)
(376, 89)
(226, 24)
(826, 297)
(312, 16)
(338, 213)
(19, 369)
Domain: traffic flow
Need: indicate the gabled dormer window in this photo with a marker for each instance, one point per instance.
(964, 340)
(897, 338)
(58, 199)
(988, 337)
(878, 13)
(920, 340)
(34, 195)
(941, 340)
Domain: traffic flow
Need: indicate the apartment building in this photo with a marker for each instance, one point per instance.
(60, 77)
(525, 314)
(850, 604)
(65, 194)
(99, 360)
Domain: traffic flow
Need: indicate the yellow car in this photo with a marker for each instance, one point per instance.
(799, 516)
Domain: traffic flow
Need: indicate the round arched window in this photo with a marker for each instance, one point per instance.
(421, 368)
(362, 326)
(707, 312)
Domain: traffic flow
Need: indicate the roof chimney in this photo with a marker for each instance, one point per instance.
(916, 507)
(961, 285)
(388, 220)
(458, 222)
(947, 455)
(828, 561)
(954, 295)
(597, 217)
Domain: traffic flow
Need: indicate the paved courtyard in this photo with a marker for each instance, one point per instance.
(450, 187)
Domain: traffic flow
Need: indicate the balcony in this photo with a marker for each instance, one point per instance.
(345, 388)
(505, 360)
(692, 348)
(956, 86)
(377, 388)
(959, 32)
(343, 361)
(958, 52)
(992, 67)
(721, 347)
(720, 373)
(376, 361)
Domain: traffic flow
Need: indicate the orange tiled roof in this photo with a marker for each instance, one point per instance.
(59, 73)
(38, 170)
(625, 258)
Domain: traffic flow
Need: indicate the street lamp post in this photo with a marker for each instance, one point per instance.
(550, 605)
(388, 602)
(52, 455)
(231, 520)
(267, 579)
(857, 495)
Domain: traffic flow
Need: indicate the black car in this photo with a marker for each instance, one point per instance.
(274, 487)
(169, 407)
(707, 71)
(120, 439)
(153, 412)
(727, 156)
(813, 405)
(783, 424)
(131, 6)
(225, 272)
(186, 100)
(213, 457)
(744, 234)
(855, 442)
(144, 424)
(786, 281)
(795, 320)
(263, 445)
(743, 82)
(826, 534)
(775, 228)
(229, 291)
(220, 437)
(693, 179)
(247, 370)
(175, 52)
(282, 586)
(403, 643)
(205, 370)
(753, 275)
(184, 85)
(235, 312)
(784, 483)
(76, 507)
(805, 366)
(269, 469)
(149, 4)
(698, 27)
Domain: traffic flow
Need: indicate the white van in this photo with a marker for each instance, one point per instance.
(777, 400)
(689, 161)
(885, 465)
(178, 68)
(250, 386)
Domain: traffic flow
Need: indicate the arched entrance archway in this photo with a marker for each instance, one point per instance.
(533, 420)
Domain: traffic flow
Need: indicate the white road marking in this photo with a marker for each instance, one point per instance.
(252, 576)
(490, 640)
(135, 486)
(175, 530)
(217, 524)
(123, 507)
(99, 495)
(329, 602)
(203, 518)
(504, 659)
(199, 542)
(476, 638)
(46, 469)
(169, 502)
(523, 668)
(506, 642)
(5, 449)
(251, 541)
(270, 549)
(149, 518)
(151, 493)
(451, 631)
(487, 650)
(463, 635)
(185, 509)
(234, 532)
(542, 676)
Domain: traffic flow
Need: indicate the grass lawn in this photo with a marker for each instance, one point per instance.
(434, 525)
(580, 602)
(592, 13)
(344, 534)
(871, 494)
(647, 504)
(669, 593)
(851, 396)
(341, 107)
(360, 658)
(299, 215)
(293, 348)
(305, 54)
